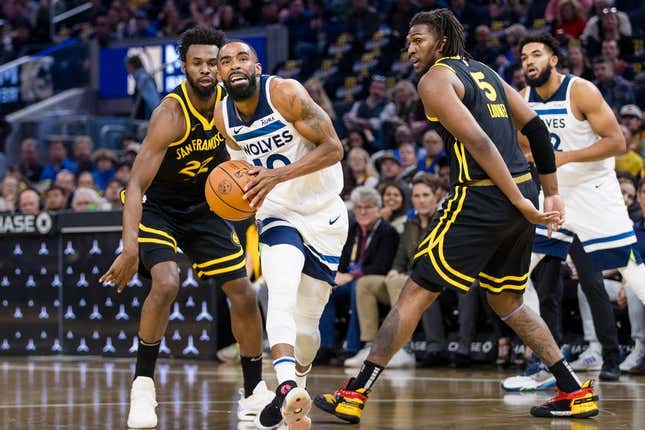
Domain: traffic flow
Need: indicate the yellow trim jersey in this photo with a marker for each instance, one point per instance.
(179, 183)
(485, 99)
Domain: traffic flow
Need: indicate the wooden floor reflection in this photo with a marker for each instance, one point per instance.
(54, 393)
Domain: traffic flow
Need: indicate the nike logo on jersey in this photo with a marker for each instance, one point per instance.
(331, 221)
(236, 131)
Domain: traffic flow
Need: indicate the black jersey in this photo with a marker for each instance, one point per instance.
(179, 183)
(485, 99)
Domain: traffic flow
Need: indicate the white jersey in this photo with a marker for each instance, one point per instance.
(268, 140)
(309, 204)
(569, 133)
(595, 210)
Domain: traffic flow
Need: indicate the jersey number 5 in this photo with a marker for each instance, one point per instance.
(194, 167)
(488, 89)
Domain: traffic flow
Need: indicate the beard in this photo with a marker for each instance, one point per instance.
(242, 92)
(540, 80)
(202, 92)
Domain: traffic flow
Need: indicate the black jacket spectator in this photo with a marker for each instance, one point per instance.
(379, 253)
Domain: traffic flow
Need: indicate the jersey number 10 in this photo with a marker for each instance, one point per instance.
(270, 161)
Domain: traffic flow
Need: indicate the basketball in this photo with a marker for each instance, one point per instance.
(225, 189)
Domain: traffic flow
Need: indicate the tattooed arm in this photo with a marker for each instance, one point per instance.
(293, 102)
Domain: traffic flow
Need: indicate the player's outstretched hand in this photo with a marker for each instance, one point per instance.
(122, 270)
(262, 183)
(554, 204)
(552, 219)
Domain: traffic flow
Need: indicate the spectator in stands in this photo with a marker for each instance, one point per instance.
(9, 191)
(609, 24)
(87, 200)
(616, 91)
(389, 166)
(82, 151)
(577, 62)
(409, 161)
(57, 160)
(29, 165)
(303, 31)
(143, 28)
(105, 161)
(112, 194)
(374, 289)
(631, 117)
(518, 80)
(226, 19)
(170, 21)
(369, 250)
(468, 14)
(630, 161)
(511, 57)
(130, 153)
(317, 92)
(86, 180)
(269, 14)
(551, 9)
(102, 31)
(123, 172)
(29, 202)
(369, 114)
(628, 190)
(146, 96)
(358, 139)
(395, 198)
(65, 180)
(433, 152)
(570, 18)
(611, 51)
(361, 172)
(362, 21)
(482, 50)
(56, 199)
(408, 109)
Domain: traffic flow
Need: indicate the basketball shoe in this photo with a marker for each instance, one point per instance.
(577, 404)
(142, 404)
(249, 407)
(344, 403)
(536, 377)
(290, 406)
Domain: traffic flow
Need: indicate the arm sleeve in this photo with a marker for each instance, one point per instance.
(538, 137)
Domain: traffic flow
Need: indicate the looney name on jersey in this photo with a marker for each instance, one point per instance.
(268, 143)
(497, 110)
(199, 145)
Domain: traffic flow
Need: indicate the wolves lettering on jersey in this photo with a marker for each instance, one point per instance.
(180, 181)
(270, 141)
(569, 133)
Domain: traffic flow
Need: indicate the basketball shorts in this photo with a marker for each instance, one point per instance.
(596, 213)
(477, 234)
(209, 242)
(320, 235)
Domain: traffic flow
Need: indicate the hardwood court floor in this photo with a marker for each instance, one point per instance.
(93, 393)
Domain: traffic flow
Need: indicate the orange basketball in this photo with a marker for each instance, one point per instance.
(224, 190)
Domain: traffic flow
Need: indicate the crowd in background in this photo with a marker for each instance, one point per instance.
(395, 166)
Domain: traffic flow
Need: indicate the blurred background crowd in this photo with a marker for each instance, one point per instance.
(350, 56)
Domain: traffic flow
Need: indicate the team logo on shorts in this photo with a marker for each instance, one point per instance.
(225, 187)
(235, 239)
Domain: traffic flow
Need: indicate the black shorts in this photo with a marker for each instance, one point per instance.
(478, 234)
(209, 242)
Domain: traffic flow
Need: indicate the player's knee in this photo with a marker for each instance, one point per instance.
(240, 293)
(307, 343)
(164, 289)
(504, 303)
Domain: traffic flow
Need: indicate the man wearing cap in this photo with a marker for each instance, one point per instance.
(389, 166)
(631, 117)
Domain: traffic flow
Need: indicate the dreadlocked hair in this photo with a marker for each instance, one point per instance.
(444, 24)
(199, 36)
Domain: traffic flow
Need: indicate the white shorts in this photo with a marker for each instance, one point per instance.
(596, 213)
(320, 236)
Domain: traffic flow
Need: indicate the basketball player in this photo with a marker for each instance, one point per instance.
(182, 146)
(586, 136)
(275, 125)
(484, 230)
